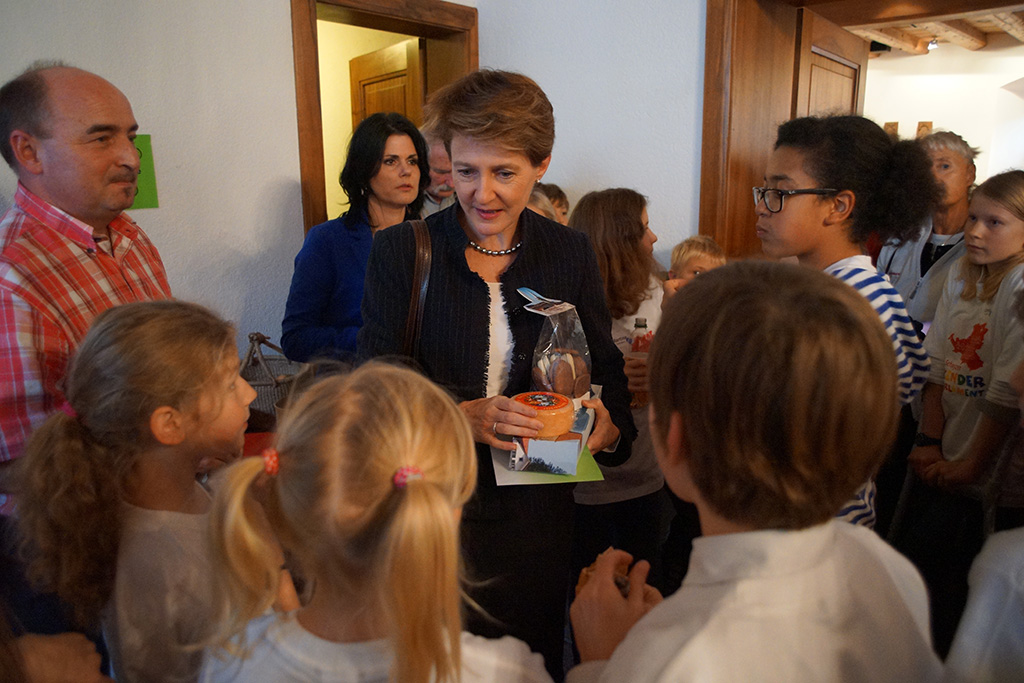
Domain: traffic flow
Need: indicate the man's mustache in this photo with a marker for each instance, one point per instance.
(125, 177)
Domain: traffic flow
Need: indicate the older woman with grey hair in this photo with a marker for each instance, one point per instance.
(918, 268)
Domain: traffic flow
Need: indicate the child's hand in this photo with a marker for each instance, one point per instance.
(601, 617)
(923, 457)
(951, 475)
(63, 658)
(636, 374)
(672, 286)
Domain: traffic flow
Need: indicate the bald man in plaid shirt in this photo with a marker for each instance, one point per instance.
(67, 249)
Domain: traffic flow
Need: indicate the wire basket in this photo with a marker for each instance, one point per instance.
(273, 376)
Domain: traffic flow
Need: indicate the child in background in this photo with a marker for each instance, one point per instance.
(113, 518)
(768, 440)
(365, 488)
(690, 258)
(831, 183)
(969, 405)
(539, 203)
(558, 200)
(630, 508)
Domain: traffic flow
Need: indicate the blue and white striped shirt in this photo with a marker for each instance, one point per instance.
(912, 361)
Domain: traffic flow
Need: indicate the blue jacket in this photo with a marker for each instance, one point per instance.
(322, 316)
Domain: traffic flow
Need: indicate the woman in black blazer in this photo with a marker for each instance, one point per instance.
(478, 340)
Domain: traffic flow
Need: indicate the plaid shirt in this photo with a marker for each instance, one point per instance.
(55, 277)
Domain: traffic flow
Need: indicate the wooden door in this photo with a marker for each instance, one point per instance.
(766, 61)
(831, 65)
(390, 79)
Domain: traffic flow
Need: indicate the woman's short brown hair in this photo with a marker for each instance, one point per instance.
(785, 380)
(495, 106)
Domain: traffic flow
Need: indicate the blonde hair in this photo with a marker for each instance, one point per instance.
(612, 220)
(699, 245)
(540, 203)
(786, 384)
(134, 359)
(335, 506)
(501, 107)
(1007, 190)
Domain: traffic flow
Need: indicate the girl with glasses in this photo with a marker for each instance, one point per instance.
(830, 183)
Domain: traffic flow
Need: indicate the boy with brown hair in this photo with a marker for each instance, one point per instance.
(773, 397)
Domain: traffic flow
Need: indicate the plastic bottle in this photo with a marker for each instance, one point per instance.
(639, 348)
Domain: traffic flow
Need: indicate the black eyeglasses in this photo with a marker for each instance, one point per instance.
(773, 196)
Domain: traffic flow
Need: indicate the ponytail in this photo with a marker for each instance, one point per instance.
(421, 595)
(388, 544)
(70, 513)
(246, 561)
(892, 182)
(135, 358)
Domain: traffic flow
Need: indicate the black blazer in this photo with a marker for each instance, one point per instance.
(555, 261)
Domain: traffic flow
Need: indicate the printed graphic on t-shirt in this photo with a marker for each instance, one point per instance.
(968, 347)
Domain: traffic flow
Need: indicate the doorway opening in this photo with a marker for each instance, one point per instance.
(445, 37)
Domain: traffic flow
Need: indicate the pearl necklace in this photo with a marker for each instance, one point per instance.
(492, 252)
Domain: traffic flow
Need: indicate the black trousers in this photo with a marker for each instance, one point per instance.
(517, 542)
(941, 533)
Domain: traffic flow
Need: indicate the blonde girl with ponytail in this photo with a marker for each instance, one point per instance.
(112, 517)
(364, 487)
(966, 471)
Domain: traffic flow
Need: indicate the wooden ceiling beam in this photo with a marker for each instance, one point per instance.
(1011, 23)
(894, 38)
(956, 31)
(874, 13)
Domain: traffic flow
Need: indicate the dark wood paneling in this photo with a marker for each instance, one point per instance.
(836, 87)
(748, 91)
(307, 103)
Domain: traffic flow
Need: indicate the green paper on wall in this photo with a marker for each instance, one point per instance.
(145, 195)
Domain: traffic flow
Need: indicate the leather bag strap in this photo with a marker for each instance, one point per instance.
(418, 294)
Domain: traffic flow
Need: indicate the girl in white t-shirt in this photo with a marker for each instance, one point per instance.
(970, 409)
(364, 487)
(630, 509)
(113, 517)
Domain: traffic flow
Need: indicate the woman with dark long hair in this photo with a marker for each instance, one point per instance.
(385, 174)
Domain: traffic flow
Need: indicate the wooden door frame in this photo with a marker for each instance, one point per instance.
(748, 92)
(423, 18)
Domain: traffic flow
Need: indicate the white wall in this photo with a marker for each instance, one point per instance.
(213, 83)
(958, 90)
(626, 82)
(336, 45)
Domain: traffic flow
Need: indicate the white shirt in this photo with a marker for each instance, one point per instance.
(281, 651)
(989, 643)
(162, 600)
(902, 265)
(639, 475)
(829, 603)
(499, 345)
(975, 346)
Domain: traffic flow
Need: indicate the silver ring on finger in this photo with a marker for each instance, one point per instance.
(494, 428)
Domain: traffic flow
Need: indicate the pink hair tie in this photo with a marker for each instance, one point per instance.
(66, 408)
(271, 461)
(403, 475)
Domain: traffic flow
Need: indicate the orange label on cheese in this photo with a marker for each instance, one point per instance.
(543, 400)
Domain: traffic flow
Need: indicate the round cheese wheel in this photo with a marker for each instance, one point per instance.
(554, 410)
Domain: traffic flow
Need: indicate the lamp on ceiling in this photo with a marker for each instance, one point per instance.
(933, 43)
